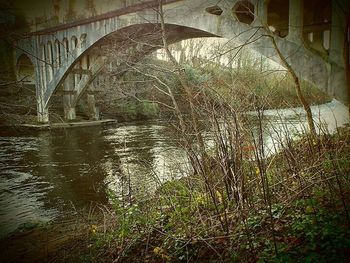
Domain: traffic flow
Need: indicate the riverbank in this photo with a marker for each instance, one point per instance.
(64, 125)
(51, 242)
(305, 219)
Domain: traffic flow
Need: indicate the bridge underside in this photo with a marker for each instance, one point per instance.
(71, 57)
(120, 50)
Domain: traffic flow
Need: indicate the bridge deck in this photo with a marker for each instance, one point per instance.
(114, 13)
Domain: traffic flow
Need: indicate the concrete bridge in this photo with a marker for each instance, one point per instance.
(68, 56)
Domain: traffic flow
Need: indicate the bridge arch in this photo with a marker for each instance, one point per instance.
(212, 17)
(127, 37)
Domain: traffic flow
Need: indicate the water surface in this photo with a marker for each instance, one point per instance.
(47, 175)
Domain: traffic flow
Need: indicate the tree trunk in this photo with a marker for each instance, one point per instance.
(183, 80)
(300, 95)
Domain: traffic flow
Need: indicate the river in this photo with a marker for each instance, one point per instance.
(47, 175)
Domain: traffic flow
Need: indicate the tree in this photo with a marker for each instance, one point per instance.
(301, 97)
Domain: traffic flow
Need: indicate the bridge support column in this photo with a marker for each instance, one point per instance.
(261, 13)
(295, 28)
(42, 112)
(68, 98)
(69, 111)
(93, 110)
(337, 31)
(337, 81)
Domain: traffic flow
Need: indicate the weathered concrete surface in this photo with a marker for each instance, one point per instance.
(63, 48)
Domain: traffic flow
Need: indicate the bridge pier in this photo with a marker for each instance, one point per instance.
(42, 112)
(337, 80)
(261, 13)
(92, 109)
(69, 111)
(42, 109)
(295, 27)
(68, 98)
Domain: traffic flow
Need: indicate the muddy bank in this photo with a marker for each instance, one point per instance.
(49, 243)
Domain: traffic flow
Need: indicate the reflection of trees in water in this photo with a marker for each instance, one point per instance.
(147, 157)
(137, 161)
(78, 165)
(71, 161)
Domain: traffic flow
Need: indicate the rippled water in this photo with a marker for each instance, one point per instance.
(49, 174)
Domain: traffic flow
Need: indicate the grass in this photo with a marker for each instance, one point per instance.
(305, 219)
(237, 205)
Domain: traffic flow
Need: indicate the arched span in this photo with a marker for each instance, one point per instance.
(200, 23)
(199, 20)
(144, 38)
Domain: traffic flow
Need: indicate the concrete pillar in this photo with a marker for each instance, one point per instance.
(261, 13)
(93, 110)
(337, 81)
(42, 67)
(49, 60)
(337, 32)
(295, 28)
(69, 112)
(42, 112)
(40, 86)
(68, 98)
